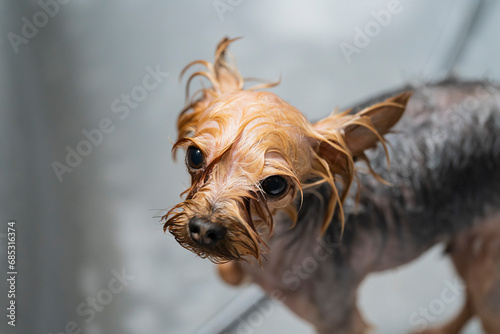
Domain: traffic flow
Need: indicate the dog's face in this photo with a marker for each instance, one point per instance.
(251, 154)
(247, 154)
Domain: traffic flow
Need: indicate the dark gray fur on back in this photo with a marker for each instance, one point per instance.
(445, 157)
(445, 160)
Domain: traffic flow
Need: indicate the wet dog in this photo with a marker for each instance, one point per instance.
(283, 202)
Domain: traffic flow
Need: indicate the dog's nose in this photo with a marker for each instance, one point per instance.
(205, 232)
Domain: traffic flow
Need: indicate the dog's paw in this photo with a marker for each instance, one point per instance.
(232, 273)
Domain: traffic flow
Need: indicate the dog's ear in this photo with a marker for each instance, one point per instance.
(363, 130)
(340, 139)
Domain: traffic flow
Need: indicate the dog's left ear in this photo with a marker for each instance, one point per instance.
(361, 131)
(340, 139)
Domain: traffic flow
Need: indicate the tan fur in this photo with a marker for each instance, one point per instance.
(231, 272)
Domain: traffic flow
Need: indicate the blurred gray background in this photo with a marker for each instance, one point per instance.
(71, 74)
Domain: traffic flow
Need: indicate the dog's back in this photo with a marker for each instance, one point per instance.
(444, 187)
(249, 153)
(444, 173)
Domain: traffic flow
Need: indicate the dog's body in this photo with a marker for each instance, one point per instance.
(445, 187)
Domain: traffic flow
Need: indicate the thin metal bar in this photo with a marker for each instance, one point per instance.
(227, 320)
(470, 23)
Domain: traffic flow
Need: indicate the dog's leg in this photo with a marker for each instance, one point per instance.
(458, 250)
(455, 325)
(232, 272)
(353, 324)
(476, 255)
(326, 299)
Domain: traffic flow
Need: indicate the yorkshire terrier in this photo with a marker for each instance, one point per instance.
(310, 209)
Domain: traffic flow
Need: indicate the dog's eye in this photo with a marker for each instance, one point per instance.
(194, 157)
(274, 185)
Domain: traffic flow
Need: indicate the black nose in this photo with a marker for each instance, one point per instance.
(205, 232)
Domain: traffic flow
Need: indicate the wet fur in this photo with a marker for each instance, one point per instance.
(444, 184)
(445, 175)
(247, 136)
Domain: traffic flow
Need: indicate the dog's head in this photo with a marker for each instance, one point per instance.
(251, 154)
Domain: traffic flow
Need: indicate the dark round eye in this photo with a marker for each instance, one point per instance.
(274, 185)
(194, 157)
